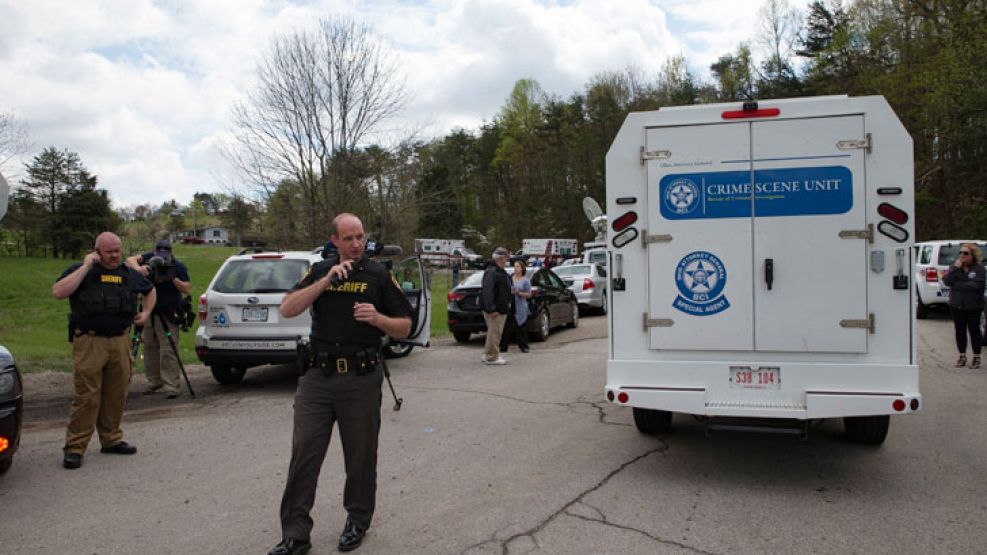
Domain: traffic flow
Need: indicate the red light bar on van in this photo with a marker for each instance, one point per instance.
(267, 256)
(758, 113)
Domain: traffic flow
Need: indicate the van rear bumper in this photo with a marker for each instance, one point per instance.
(808, 390)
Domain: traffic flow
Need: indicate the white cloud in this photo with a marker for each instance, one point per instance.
(142, 89)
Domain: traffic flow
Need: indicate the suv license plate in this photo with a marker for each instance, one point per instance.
(745, 377)
(254, 345)
(254, 314)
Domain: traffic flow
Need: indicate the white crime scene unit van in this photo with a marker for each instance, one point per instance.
(760, 266)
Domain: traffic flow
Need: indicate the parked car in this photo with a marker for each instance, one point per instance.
(588, 282)
(239, 323)
(551, 305)
(191, 240)
(11, 409)
(932, 261)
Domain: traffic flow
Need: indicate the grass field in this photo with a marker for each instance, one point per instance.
(34, 325)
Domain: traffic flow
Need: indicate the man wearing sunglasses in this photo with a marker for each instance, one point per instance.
(966, 281)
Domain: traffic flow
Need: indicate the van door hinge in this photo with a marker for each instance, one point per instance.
(867, 324)
(851, 144)
(656, 322)
(648, 239)
(654, 155)
(859, 233)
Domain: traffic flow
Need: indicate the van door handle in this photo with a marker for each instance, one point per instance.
(769, 272)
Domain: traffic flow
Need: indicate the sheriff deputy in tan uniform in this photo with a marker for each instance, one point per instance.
(101, 293)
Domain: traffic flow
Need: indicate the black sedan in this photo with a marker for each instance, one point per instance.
(11, 409)
(551, 305)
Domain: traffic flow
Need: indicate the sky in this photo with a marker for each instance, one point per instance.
(142, 90)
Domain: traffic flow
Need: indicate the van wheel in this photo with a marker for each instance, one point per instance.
(228, 375)
(868, 430)
(5, 465)
(462, 336)
(544, 326)
(921, 309)
(650, 421)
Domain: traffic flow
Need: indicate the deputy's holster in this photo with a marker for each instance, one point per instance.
(346, 362)
(304, 349)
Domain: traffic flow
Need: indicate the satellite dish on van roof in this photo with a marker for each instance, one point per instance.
(591, 209)
(4, 193)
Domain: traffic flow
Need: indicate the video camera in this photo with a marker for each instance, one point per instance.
(161, 269)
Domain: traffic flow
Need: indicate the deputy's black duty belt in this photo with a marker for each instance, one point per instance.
(359, 362)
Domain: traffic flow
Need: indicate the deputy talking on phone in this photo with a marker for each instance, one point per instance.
(101, 293)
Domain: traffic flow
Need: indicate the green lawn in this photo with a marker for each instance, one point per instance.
(34, 325)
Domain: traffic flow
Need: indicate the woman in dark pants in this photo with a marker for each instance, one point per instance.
(966, 280)
(516, 320)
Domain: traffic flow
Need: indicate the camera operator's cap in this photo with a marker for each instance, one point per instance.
(501, 252)
(163, 245)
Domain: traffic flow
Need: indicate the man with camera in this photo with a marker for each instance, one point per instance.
(171, 282)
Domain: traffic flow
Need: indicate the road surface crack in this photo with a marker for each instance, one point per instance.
(532, 532)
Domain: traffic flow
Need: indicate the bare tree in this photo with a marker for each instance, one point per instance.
(14, 137)
(319, 95)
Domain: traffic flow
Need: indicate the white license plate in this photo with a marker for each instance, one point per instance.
(275, 345)
(745, 377)
(254, 314)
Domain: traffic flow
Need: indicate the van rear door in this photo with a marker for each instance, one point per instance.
(699, 255)
(808, 191)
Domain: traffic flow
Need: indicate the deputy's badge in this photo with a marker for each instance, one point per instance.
(700, 278)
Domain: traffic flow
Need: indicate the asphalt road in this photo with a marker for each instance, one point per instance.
(513, 459)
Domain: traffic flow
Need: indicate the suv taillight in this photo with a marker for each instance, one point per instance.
(587, 284)
(203, 307)
(931, 275)
(455, 296)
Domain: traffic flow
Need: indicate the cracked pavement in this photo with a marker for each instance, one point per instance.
(523, 458)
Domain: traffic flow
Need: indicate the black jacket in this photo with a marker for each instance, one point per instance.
(966, 287)
(496, 292)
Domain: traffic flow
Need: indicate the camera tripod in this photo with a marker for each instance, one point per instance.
(136, 341)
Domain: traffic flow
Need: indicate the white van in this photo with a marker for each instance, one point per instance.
(760, 265)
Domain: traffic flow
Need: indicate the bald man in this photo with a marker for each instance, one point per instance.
(102, 295)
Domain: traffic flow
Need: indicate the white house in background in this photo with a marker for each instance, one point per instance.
(212, 235)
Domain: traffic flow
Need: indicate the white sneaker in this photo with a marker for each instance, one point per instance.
(495, 362)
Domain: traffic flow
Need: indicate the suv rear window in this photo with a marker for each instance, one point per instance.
(260, 276)
(948, 253)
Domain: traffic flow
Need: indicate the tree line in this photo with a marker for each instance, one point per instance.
(301, 135)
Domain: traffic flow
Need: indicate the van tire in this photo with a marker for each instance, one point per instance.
(461, 336)
(5, 465)
(867, 430)
(228, 375)
(921, 309)
(651, 421)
